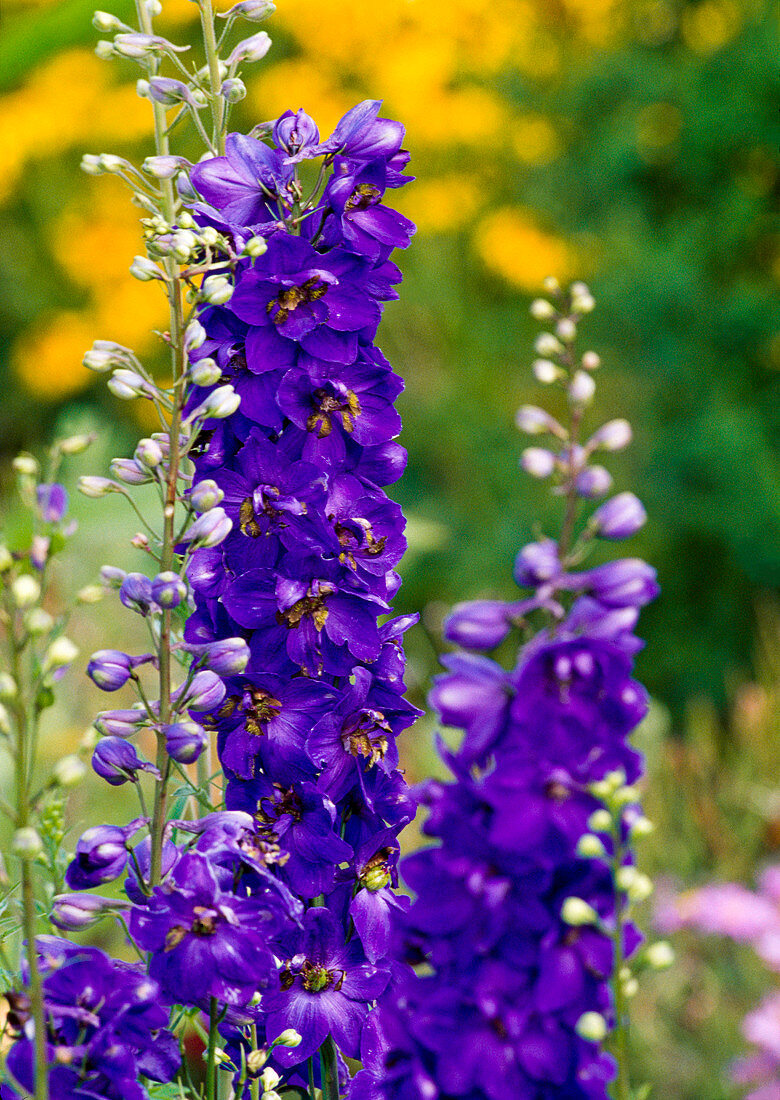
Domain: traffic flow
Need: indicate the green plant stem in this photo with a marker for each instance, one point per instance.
(211, 1051)
(621, 1085)
(215, 83)
(312, 1090)
(23, 754)
(330, 1073)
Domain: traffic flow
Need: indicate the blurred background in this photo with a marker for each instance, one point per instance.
(629, 143)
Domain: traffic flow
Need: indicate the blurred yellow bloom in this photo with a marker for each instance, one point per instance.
(68, 101)
(598, 22)
(442, 204)
(711, 25)
(299, 83)
(511, 244)
(535, 140)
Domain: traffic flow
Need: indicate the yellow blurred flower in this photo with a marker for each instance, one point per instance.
(711, 25)
(535, 140)
(511, 244)
(441, 204)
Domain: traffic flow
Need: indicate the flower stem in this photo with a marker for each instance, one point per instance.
(212, 56)
(211, 1051)
(329, 1067)
(312, 1090)
(622, 1087)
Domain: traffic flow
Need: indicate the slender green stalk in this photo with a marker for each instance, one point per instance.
(621, 1086)
(312, 1090)
(330, 1073)
(212, 56)
(211, 1051)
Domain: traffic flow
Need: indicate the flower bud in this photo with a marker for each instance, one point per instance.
(9, 689)
(205, 692)
(255, 246)
(127, 384)
(26, 843)
(101, 855)
(90, 593)
(25, 590)
(375, 879)
(600, 821)
(577, 912)
(269, 1078)
(97, 486)
(135, 592)
(641, 826)
(254, 11)
(538, 462)
(76, 444)
(226, 657)
(72, 912)
(206, 372)
(551, 284)
(112, 576)
(593, 482)
(169, 92)
(233, 90)
(583, 303)
(251, 49)
(206, 495)
(60, 653)
(138, 47)
(590, 846)
(592, 1027)
(478, 624)
(91, 165)
(164, 167)
(618, 518)
(26, 465)
(106, 23)
(194, 334)
(219, 404)
(5, 720)
(69, 771)
(547, 344)
(105, 51)
(109, 669)
(52, 502)
(149, 453)
(6, 558)
(185, 741)
(128, 471)
(209, 236)
(542, 310)
(535, 421)
(537, 563)
(37, 621)
(216, 290)
(117, 761)
(100, 359)
(591, 361)
(168, 589)
(581, 388)
(566, 329)
(545, 371)
(210, 529)
(120, 723)
(256, 1059)
(144, 269)
(660, 956)
(612, 436)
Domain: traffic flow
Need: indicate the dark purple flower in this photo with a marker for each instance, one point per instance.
(117, 761)
(110, 669)
(359, 134)
(294, 131)
(136, 593)
(185, 741)
(366, 226)
(101, 855)
(243, 182)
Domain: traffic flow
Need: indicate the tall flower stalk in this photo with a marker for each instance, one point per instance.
(522, 914)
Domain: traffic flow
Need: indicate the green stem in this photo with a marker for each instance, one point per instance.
(215, 83)
(211, 1051)
(330, 1073)
(622, 1087)
(312, 1090)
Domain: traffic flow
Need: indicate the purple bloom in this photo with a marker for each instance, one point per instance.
(241, 183)
(52, 502)
(619, 518)
(101, 855)
(117, 761)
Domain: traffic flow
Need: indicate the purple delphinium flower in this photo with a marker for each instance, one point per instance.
(306, 731)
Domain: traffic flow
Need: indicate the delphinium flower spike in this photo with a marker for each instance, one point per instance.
(522, 911)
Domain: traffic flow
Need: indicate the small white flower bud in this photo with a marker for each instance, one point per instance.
(105, 49)
(144, 269)
(615, 779)
(154, 7)
(251, 49)
(76, 444)
(233, 90)
(592, 1027)
(538, 462)
(624, 795)
(163, 168)
(220, 403)
(148, 453)
(591, 360)
(581, 388)
(91, 165)
(107, 23)
(583, 303)
(536, 421)
(630, 987)
(551, 284)
(660, 956)
(142, 88)
(641, 888)
(600, 821)
(5, 720)
(542, 310)
(612, 436)
(112, 164)
(127, 384)
(183, 244)
(37, 621)
(625, 877)
(254, 11)
(566, 329)
(9, 689)
(6, 558)
(96, 487)
(255, 246)
(206, 372)
(288, 1038)
(642, 826)
(26, 843)
(69, 771)
(194, 336)
(590, 846)
(577, 912)
(547, 344)
(25, 590)
(579, 288)
(90, 593)
(256, 1059)
(26, 465)
(60, 653)
(216, 290)
(186, 220)
(269, 1078)
(546, 372)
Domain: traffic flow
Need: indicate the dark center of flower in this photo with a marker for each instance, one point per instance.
(259, 707)
(556, 791)
(368, 738)
(356, 536)
(314, 606)
(280, 308)
(376, 874)
(284, 801)
(364, 195)
(329, 405)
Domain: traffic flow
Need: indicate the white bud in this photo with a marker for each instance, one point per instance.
(209, 236)
(547, 344)
(579, 288)
(69, 771)
(624, 795)
(26, 465)
(216, 290)
(154, 7)
(551, 284)
(536, 421)
(37, 621)
(105, 49)
(288, 1038)
(566, 329)
(91, 165)
(186, 220)
(148, 453)
(612, 436)
(9, 688)
(581, 388)
(269, 1078)
(542, 310)
(144, 269)
(251, 49)
(630, 987)
(255, 246)
(591, 360)
(642, 826)
(183, 244)
(220, 403)
(127, 384)
(592, 1027)
(256, 1059)
(194, 336)
(577, 912)
(206, 372)
(97, 486)
(142, 88)
(590, 846)
(583, 303)
(107, 23)
(25, 590)
(60, 653)
(6, 558)
(660, 956)
(615, 779)
(90, 593)
(112, 164)
(76, 444)
(5, 720)
(600, 821)
(26, 843)
(163, 168)
(538, 462)
(546, 372)
(233, 90)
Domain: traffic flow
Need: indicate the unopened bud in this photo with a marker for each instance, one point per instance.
(210, 529)
(592, 1027)
(38, 622)
(600, 821)
(206, 495)
(581, 388)
(90, 593)
(589, 846)
(288, 1038)
(149, 453)
(165, 167)
(127, 384)
(547, 344)
(220, 403)
(546, 372)
(92, 486)
(583, 303)
(26, 843)
(194, 335)
(254, 11)
(255, 1060)
(91, 165)
(233, 90)
(216, 290)
(538, 462)
(612, 436)
(255, 246)
(593, 482)
(660, 956)
(591, 360)
(551, 284)
(76, 444)
(25, 590)
(269, 1078)
(206, 372)
(9, 688)
(251, 49)
(104, 49)
(26, 465)
(542, 310)
(107, 23)
(566, 329)
(144, 269)
(69, 771)
(60, 653)
(577, 912)
(130, 472)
